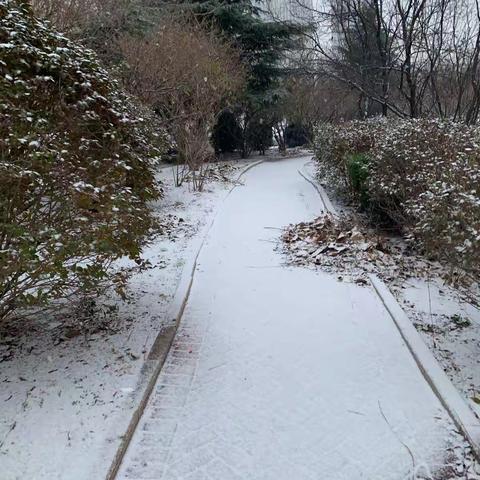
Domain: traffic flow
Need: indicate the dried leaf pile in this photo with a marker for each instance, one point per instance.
(341, 245)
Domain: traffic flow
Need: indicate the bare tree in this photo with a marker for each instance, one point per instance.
(411, 58)
(187, 75)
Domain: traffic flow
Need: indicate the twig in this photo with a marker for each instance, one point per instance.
(276, 242)
(430, 309)
(145, 347)
(267, 266)
(10, 430)
(399, 439)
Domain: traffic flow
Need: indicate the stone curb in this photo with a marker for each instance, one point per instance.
(462, 415)
(327, 204)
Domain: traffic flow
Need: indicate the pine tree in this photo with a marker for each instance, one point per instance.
(263, 44)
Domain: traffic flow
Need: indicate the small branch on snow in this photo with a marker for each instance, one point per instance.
(10, 430)
(399, 439)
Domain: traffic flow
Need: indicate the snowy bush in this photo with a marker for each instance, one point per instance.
(423, 174)
(74, 168)
(335, 144)
(98, 24)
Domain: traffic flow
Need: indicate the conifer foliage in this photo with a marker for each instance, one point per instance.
(264, 45)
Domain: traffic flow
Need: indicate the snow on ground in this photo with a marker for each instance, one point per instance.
(447, 318)
(285, 373)
(64, 388)
(451, 328)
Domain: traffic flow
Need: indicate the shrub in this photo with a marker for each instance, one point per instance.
(187, 75)
(227, 134)
(335, 145)
(423, 174)
(296, 135)
(75, 180)
(259, 135)
(358, 172)
(427, 174)
(99, 24)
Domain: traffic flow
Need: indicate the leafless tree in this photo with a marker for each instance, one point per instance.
(410, 58)
(187, 75)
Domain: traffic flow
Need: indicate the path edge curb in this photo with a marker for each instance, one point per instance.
(161, 346)
(462, 415)
(328, 205)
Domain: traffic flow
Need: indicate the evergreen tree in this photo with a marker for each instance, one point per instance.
(263, 44)
(262, 41)
(227, 135)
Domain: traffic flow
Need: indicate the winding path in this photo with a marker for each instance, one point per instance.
(281, 373)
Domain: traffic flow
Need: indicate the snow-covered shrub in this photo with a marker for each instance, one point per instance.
(98, 24)
(74, 165)
(426, 174)
(423, 174)
(358, 174)
(338, 146)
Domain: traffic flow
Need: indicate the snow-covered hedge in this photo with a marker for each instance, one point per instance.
(422, 174)
(74, 165)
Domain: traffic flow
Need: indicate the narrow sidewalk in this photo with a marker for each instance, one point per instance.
(281, 373)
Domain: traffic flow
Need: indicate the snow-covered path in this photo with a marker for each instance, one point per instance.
(282, 373)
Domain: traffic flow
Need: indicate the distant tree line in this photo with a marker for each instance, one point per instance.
(407, 58)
